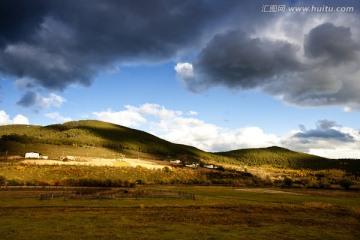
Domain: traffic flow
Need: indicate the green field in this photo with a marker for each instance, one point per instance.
(216, 213)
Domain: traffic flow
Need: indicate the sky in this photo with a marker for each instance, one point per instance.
(217, 75)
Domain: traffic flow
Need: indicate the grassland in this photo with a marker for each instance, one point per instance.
(223, 208)
(90, 138)
(216, 213)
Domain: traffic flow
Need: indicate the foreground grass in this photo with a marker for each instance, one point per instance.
(30, 174)
(217, 213)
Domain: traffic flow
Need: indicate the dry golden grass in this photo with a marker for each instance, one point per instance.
(318, 205)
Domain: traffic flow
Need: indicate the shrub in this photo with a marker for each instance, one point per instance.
(324, 184)
(14, 182)
(167, 169)
(33, 182)
(303, 181)
(288, 182)
(346, 183)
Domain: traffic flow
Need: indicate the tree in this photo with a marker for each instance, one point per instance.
(288, 182)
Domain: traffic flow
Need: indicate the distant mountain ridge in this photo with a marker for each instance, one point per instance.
(88, 136)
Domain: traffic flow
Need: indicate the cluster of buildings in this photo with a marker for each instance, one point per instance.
(36, 155)
(193, 165)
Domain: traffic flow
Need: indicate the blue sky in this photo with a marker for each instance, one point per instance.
(218, 76)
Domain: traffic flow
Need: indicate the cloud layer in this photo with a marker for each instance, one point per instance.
(323, 71)
(58, 43)
(300, 58)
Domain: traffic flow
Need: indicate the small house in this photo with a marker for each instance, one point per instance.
(211, 166)
(177, 161)
(32, 155)
(191, 165)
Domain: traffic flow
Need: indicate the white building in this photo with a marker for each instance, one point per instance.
(191, 165)
(32, 155)
(177, 161)
(211, 166)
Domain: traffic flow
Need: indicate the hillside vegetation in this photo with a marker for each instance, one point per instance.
(279, 157)
(89, 137)
(100, 139)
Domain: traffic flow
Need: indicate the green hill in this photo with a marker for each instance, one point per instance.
(90, 137)
(101, 139)
(281, 158)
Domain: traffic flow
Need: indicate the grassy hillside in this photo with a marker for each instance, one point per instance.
(94, 138)
(285, 158)
(100, 139)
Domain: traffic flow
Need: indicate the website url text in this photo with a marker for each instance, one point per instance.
(313, 8)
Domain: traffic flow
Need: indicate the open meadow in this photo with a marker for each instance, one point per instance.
(177, 212)
(104, 181)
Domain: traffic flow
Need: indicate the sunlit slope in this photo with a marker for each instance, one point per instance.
(101, 139)
(88, 134)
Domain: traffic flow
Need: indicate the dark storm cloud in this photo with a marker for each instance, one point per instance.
(334, 43)
(324, 130)
(54, 44)
(28, 100)
(19, 19)
(58, 43)
(325, 73)
(326, 124)
(236, 60)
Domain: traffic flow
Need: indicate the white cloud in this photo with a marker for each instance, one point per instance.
(158, 111)
(173, 126)
(52, 101)
(338, 152)
(57, 117)
(184, 70)
(192, 113)
(129, 117)
(18, 119)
